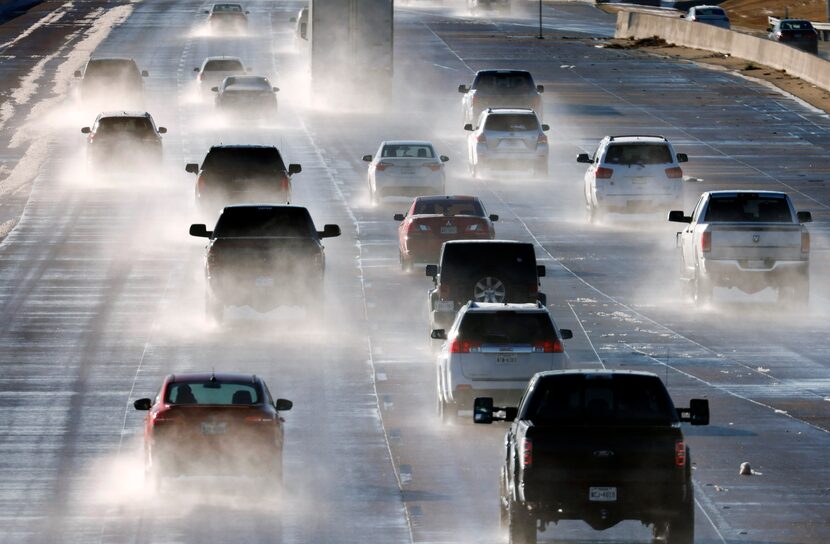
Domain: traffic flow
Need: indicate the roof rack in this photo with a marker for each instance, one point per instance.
(612, 138)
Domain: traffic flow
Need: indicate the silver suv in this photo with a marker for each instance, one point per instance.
(508, 139)
(492, 350)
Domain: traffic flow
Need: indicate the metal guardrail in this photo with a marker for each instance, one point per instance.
(822, 28)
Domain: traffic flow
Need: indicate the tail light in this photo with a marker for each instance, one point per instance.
(200, 183)
(201, 76)
(481, 138)
(433, 166)
(542, 139)
(415, 228)
(381, 166)
(706, 242)
(444, 290)
(457, 345)
(674, 173)
(549, 346)
(475, 227)
(284, 182)
(527, 453)
(259, 419)
(533, 289)
(679, 453)
(805, 242)
(473, 100)
(159, 419)
(604, 173)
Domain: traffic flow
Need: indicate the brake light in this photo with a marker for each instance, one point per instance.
(549, 346)
(433, 166)
(680, 453)
(706, 242)
(527, 453)
(805, 242)
(481, 138)
(542, 139)
(381, 166)
(258, 419)
(604, 173)
(414, 228)
(444, 290)
(475, 227)
(463, 346)
(200, 183)
(284, 182)
(159, 419)
(200, 76)
(674, 173)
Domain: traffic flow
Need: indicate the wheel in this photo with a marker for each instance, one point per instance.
(678, 530)
(796, 293)
(504, 518)
(521, 527)
(489, 289)
(406, 264)
(214, 309)
(373, 197)
(702, 290)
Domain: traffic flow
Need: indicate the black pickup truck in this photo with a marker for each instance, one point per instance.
(599, 446)
(264, 256)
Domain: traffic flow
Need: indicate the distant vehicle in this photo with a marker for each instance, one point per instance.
(214, 425)
(601, 446)
(124, 140)
(228, 18)
(235, 174)
(112, 83)
(405, 168)
(796, 33)
(214, 70)
(631, 174)
(247, 96)
(433, 220)
(507, 139)
(710, 15)
(263, 257)
(482, 271)
(476, 6)
(500, 89)
(745, 239)
(493, 349)
(301, 28)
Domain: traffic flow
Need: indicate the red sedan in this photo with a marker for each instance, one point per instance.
(433, 220)
(214, 424)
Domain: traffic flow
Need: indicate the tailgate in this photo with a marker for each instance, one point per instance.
(764, 241)
(495, 363)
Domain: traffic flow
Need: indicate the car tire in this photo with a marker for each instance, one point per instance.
(448, 412)
(796, 293)
(406, 264)
(521, 527)
(214, 310)
(542, 298)
(594, 214)
(702, 290)
(504, 517)
(680, 529)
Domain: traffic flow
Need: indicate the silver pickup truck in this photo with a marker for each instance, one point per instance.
(745, 239)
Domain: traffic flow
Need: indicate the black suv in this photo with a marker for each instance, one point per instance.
(500, 89)
(235, 174)
(482, 271)
(264, 256)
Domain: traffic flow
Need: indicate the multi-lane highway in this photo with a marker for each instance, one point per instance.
(101, 289)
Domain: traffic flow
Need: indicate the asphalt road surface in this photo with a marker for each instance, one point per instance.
(101, 289)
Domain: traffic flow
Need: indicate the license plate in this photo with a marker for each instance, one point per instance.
(797, 35)
(406, 171)
(602, 494)
(640, 180)
(449, 230)
(264, 282)
(212, 428)
(444, 306)
(756, 264)
(511, 143)
(506, 359)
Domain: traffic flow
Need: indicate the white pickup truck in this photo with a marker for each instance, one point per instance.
(745, 239)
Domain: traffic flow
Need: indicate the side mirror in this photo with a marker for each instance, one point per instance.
(540, 88)
(444, 158)
(682, 157)
(191, 168)
(292, 20)
(145, 73)
(483, 410)
(540, 270)
(431, 270)
(275, 89)
(143, 404)
(697, 413)
(438, 334)
(207, 12)
(676, 216)
(162, 130)
(494, 217)
(294, 169)
(804, 217)
(330, 231)
(567, 334)
(545, 128)
(463, 89)
(86, 130)
(367, 158)
(196, 70)
(283, 405)
(214, 89)
(398, 217)
(769, 29)
(682, 16)
(583, 157)
(247, 12)
(468, 127)
(77, 73)
(200, 231)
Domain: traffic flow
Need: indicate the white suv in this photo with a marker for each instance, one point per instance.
(631, 174)
(492, 350)
(508, 139)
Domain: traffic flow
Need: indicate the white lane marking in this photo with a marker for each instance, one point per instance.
(590, 342)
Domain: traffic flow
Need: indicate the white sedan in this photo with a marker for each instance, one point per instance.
(405, 168)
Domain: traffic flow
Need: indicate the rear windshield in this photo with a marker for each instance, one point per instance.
(227, 8)
(416, 151)
(507, 327)
(600, 400)
(504, 82)
(131, 125)
(749, 208)
(638, 154)
(796, 25)
(223, 66)
(264, 222)
(112, 69)
(513, 261)
(248, 82)
(511, 122)
(448, 207)
(207, 392)
(244, 160)
(710, 12)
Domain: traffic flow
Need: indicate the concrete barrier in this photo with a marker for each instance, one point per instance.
(701, 36)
